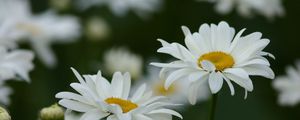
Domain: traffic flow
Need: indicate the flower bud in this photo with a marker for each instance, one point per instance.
(4, 115)
(53, 112)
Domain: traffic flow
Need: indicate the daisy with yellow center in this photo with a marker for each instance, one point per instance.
(155, 78)
(99, 99)
(215, 54)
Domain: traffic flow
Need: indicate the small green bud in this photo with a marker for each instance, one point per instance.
(53, 112)
(4, 114)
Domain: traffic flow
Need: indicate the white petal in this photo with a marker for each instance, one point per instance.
(94, 114)
(240, 77)
(74, 105)
(215, 82)
(117, 84)
(139, 93)
(166, 111)
(260, 70)
(175, 76)
(126, 85)
(207, 65)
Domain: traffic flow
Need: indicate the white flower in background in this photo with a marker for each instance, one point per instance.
(5, 92)
(288, 86)
(99, 99)
(60, 4)
(176, 92)
(15, 64)
(267, 8)
(45, 29)
(121, 59)
(97, 29)
(40, 30)
(121, 7)
(216, 54)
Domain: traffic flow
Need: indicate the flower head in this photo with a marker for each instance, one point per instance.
(288, 86)
(4, 114)
(215, 54)
(99, 99)
(39, 30)
(97, 29)
(267, 8)
(122, 7)
(121, 59)
(156, 79)
(53, 112)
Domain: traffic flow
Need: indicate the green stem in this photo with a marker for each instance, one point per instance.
(213, 107)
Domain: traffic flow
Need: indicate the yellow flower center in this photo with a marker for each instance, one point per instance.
(221, 60)
(159, 89)
(33, 29)
(126, 105)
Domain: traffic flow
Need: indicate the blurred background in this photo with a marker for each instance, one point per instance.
(139, 36)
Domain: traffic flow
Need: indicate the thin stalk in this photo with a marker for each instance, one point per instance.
(213, 107)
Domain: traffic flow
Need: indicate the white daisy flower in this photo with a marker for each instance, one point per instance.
(5, 92)
(45, 29)
(97, 29)
(121, 7)
(40, 30)
(99, 99)
(176, 92)
(15, 64)
(121, 59)
(215, 54)
(288, 86)
(267, 8)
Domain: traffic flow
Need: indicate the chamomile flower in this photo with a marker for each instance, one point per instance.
(156, 78)
(15, 64)
(99, 99)
(215, 54)
(97, 29)
(45, 29)
(288, 86)
(267, 8)
(39, 30)
(121, 59)
(121, 7)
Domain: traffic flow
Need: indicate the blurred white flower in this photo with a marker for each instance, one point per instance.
(121, 7)
(40, 30)
(176, 92)
(97, 29)
(215, 54)
(60, 4)
(121, 59)
(267, 8)
(45, 29)
(99, 99)
(15, 64)
(5, 92)
(288, 86)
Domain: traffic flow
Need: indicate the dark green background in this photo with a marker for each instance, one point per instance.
(140, 36)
